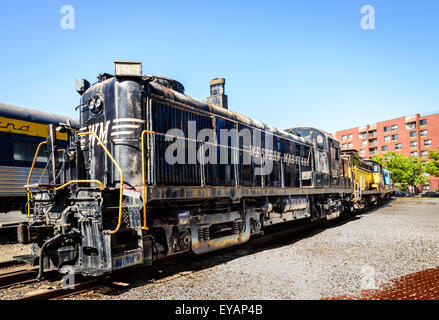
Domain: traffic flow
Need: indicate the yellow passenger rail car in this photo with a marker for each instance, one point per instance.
(21, 130)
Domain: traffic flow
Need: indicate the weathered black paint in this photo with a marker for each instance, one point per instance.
(189, 206)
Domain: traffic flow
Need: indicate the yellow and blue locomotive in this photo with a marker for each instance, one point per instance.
(371, 182)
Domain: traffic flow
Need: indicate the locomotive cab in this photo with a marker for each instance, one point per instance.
(378, 183)
(327, 170)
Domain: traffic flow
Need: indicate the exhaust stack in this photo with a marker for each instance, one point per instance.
(217, 90)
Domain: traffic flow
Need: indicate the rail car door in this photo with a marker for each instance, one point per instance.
(225, 173)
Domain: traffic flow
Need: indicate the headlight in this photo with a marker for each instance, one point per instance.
(96, 104)
(91, 104)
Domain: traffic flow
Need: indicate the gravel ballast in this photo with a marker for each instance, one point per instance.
(365, 252)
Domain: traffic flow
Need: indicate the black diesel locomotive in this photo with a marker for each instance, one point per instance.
(125, 203)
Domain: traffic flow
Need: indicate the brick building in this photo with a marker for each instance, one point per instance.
(412, 136)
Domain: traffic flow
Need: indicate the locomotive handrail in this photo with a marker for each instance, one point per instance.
(102, 186)
(143, 177)
(119, 222)
(29, 177)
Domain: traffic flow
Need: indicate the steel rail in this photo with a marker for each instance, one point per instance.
(8, 279)
(63, 292)
(10, 263)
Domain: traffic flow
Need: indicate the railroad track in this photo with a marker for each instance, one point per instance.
(62, 292)
(21, 276)
(26, 276)
(9, 264)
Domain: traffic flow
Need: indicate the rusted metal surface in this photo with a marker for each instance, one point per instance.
(377, 192)
(129, 258)
(422, 285)
(14, 277)
(58, 293)
(156, 193)
(202, 243)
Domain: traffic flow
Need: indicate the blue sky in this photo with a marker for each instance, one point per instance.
(286, 63)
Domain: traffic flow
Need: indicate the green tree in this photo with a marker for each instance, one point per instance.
(432, 166)
(378, 158)
(408, 171)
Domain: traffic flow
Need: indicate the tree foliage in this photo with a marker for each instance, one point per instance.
(378, 158)
(432, 166)
(405, 170)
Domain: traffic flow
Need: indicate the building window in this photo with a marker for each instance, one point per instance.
(344, 146)
(349, 136)
(412, 134)
(343, 137)
(398, 146)
(362, 152)
(413, 144)
(384, 148)
(373, 133)
(427, 142)
(394, 127)
(394, 137)
(386, 129)
(426, 187)
(350, 145)
(423, 133)
(373, 142)
(414, 153)
(373, 151)
(386, 138)
(424, 153)
(411, 125)
(364, 143)
(362, 135)
(423, 122)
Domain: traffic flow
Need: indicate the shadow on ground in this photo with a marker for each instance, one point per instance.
(180, 266)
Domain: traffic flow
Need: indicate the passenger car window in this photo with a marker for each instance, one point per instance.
(25, 151)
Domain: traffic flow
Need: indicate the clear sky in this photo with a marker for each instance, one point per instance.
(286, 63)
